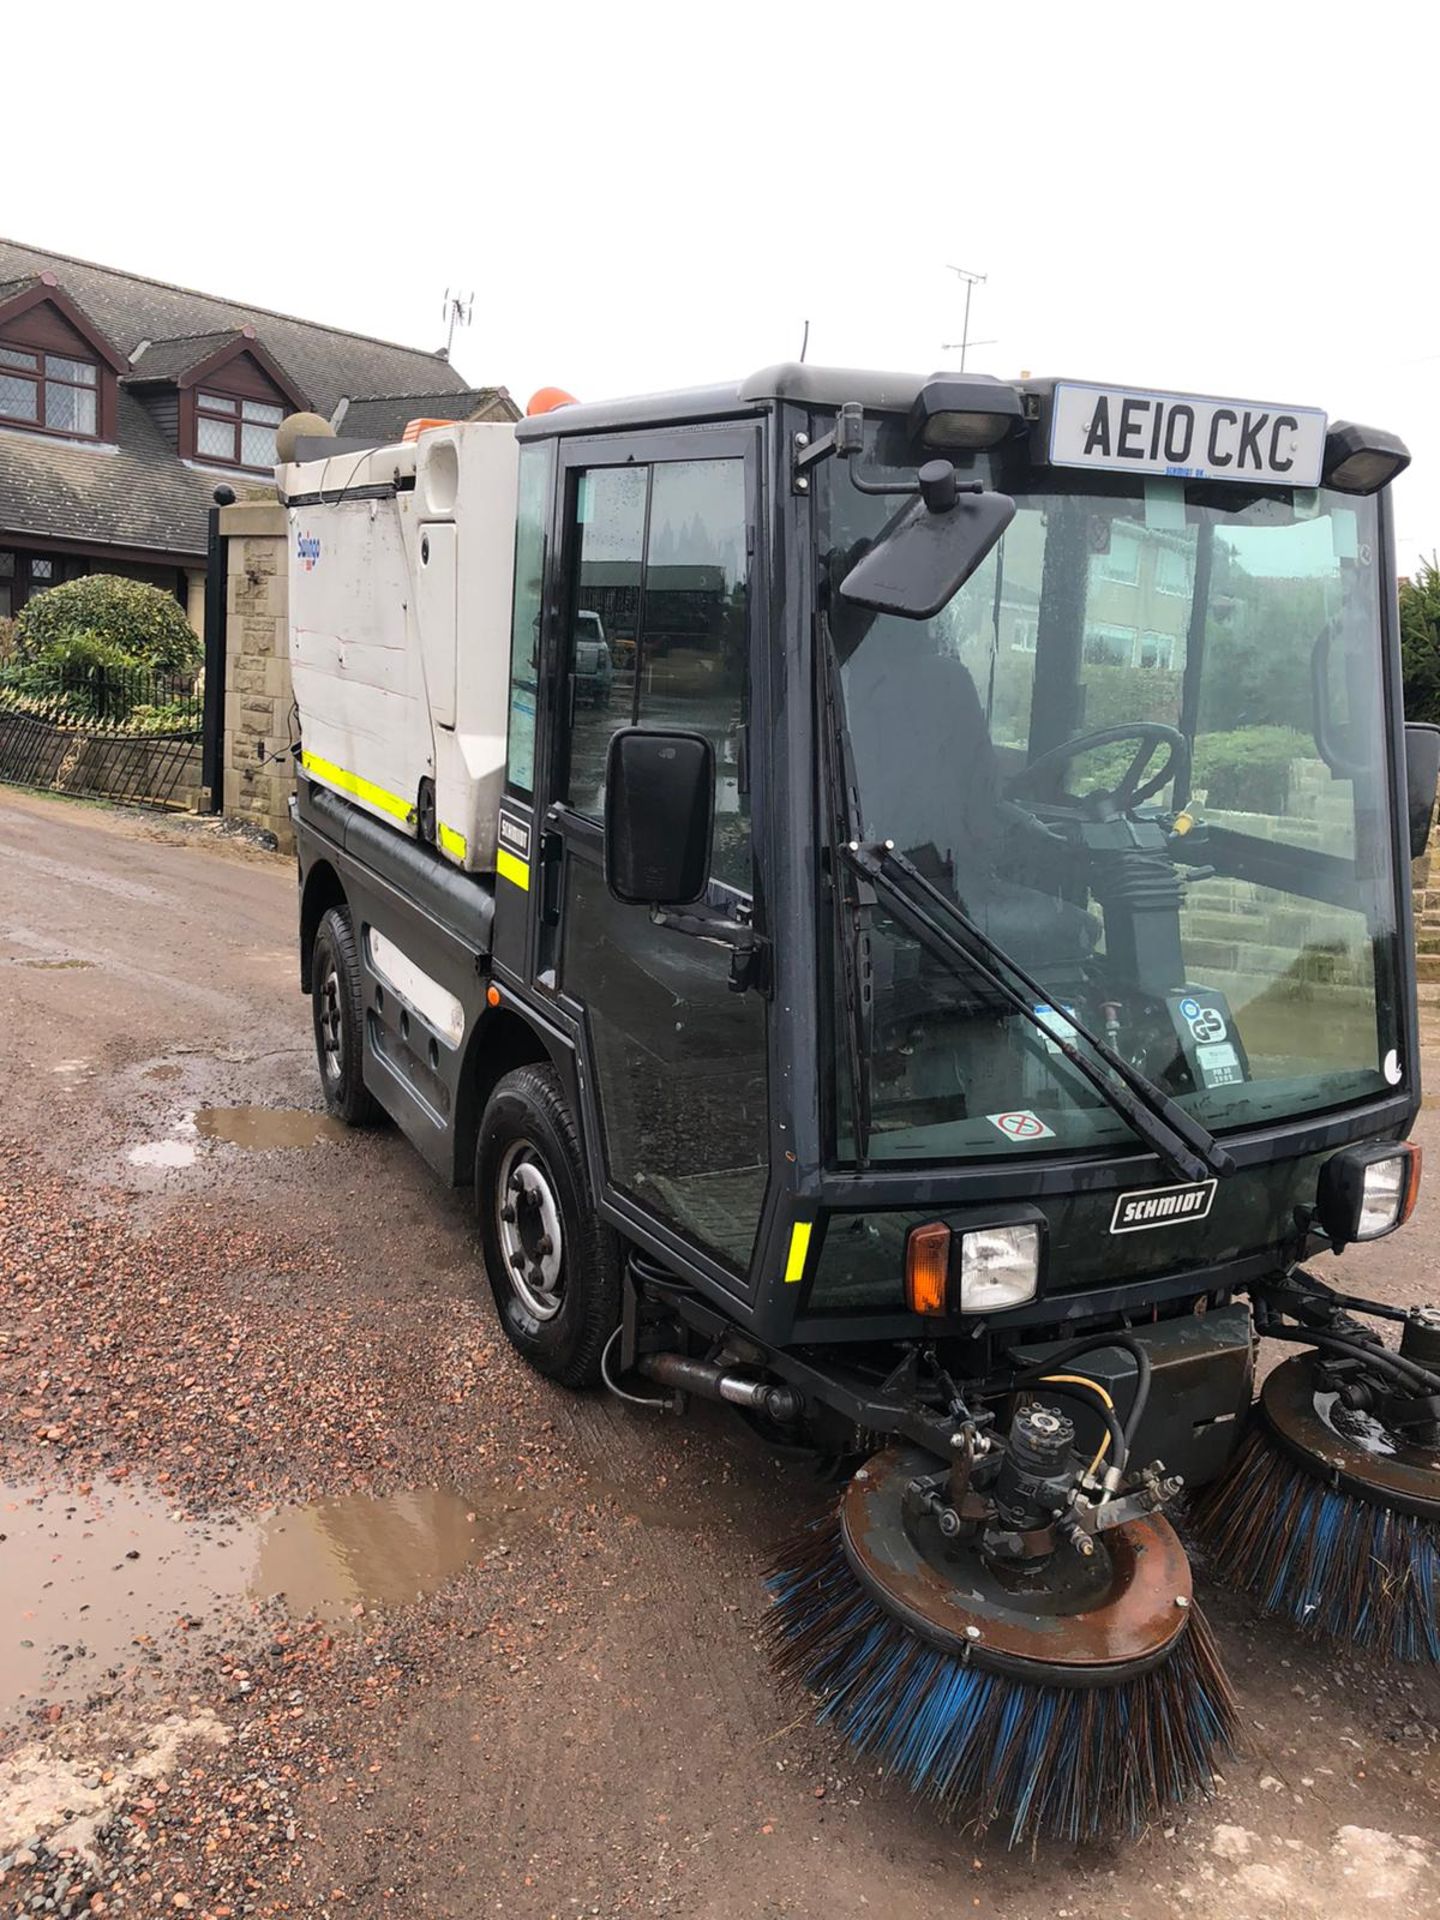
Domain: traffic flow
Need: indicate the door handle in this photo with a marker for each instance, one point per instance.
(552, 867)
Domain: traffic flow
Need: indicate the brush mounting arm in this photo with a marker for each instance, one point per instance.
(1325, 1320)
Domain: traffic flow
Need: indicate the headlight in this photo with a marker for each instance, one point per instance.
(1365, 1192)
(1381, 1196)
(999, 1267)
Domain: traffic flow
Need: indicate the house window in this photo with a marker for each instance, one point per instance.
(1122, 562)
(48, 390)
(1157, 650)
(1109, 646)
(1172, 571)
(1022, 636)
(235, 432)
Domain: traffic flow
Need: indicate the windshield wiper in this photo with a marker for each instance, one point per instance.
(854, 952)
(942, 925)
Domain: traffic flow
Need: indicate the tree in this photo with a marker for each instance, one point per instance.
(1420, 641)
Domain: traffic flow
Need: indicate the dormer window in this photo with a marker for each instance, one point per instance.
(48, 390)
(235, 432)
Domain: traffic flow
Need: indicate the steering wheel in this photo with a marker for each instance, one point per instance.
(1132, 787)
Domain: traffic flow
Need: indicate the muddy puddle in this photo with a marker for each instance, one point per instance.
(258, 1129)
(93, 1584)
(266, 1127)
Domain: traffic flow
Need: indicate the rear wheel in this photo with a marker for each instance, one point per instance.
(339, 1020)
(553, 1266)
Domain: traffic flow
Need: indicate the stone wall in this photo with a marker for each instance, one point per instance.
(259, 726)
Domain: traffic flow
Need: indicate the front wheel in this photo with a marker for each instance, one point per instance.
(553, 1266)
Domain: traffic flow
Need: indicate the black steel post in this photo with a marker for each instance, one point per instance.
(212, 735)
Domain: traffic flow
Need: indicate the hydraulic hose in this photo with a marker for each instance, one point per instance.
(1097, 1343)
(1385, 1358)
(1114, 1441)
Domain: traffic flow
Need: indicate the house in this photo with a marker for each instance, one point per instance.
(125, 401)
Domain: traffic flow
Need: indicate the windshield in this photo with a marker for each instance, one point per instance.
(1144, 749)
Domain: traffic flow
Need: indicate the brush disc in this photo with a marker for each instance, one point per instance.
(1330, 1522)
(1078, 1621)
(1084, 1702)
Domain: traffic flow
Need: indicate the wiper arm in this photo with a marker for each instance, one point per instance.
(939, 923)
(854, 967)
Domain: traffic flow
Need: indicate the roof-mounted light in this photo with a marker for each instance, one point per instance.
(965, 412)
(547, 399)
(1362, 459)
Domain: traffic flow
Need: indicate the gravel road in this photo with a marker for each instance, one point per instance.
(252, 1400)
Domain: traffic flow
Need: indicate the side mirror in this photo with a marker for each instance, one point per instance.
(659, 817)
(928, 554)
(1422, 773)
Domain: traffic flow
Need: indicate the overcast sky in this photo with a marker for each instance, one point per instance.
(1232, 199)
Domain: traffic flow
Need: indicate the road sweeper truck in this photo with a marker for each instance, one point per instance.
(932, 985)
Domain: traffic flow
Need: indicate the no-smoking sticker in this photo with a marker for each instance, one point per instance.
(1021, 1125)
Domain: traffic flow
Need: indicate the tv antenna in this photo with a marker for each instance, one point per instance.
(456, 311)
(805, 343)
(964, 343)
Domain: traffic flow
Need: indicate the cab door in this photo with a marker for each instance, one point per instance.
(656, 608)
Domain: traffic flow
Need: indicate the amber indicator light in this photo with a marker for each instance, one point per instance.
(927, 1268)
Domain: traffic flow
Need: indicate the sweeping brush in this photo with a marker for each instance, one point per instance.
(1323, 1556)
(1046, 1760)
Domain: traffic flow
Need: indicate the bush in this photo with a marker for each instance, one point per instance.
(7, 640)
(130, 623)
(1248, 771)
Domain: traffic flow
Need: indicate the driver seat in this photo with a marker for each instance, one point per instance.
(929, 779)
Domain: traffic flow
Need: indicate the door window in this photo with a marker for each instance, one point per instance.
(604, 614)
(658, 628)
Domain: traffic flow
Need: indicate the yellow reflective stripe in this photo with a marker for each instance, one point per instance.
(799, 1247)
(452, 842)
(516, 871)
(362, 789)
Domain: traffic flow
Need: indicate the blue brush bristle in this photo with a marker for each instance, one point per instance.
(1043, 1760)
(1334, 1564)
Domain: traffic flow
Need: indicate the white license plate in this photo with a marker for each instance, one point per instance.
(1185, 437)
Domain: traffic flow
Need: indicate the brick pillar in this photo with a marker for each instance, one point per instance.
(258, 723)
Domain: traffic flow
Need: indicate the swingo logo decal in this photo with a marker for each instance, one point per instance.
(307, 550)
(1162, 1207)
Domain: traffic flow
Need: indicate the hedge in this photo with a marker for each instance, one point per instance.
(105, 618)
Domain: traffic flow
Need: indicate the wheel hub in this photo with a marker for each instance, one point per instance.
(332, 1032)
(1351, 1451)
(1077, 1621)
(528, 1220)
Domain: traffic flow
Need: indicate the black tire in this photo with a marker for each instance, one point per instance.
(338, 1020)
(563, 1303)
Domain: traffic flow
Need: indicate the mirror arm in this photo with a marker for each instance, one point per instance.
(749, 950)
(846, 439)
